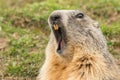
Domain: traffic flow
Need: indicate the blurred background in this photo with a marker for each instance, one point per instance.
(24, 32)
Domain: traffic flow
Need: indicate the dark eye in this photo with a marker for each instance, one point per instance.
(80, 15)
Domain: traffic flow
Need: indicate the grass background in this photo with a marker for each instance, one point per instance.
(24, 32)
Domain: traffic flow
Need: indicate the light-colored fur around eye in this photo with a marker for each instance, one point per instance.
(85, 58)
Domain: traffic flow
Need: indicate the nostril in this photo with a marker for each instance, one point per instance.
(54, 18)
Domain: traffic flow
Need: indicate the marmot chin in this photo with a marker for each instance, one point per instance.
(77, 49)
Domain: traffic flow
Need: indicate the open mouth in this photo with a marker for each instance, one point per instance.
(60, 37)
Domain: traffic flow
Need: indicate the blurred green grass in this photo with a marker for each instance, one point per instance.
(24, 31)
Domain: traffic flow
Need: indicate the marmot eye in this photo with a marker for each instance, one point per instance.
(80, 15)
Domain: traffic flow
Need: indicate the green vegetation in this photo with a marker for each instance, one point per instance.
(24, 31)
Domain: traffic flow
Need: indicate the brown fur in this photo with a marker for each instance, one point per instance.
(80, 60)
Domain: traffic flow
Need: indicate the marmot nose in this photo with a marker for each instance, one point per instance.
(55, 18)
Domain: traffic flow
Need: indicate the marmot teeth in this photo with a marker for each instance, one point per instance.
(55, 27)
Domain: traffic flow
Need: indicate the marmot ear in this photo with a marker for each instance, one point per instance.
(96, 24)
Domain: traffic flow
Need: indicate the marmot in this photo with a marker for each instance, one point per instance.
(77, 49)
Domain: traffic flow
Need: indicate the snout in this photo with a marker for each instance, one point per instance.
(57, 27)
(56, 17)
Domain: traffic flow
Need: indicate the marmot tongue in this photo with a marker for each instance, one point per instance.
(60, 45)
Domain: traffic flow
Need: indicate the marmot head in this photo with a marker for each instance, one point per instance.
(75, 28)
